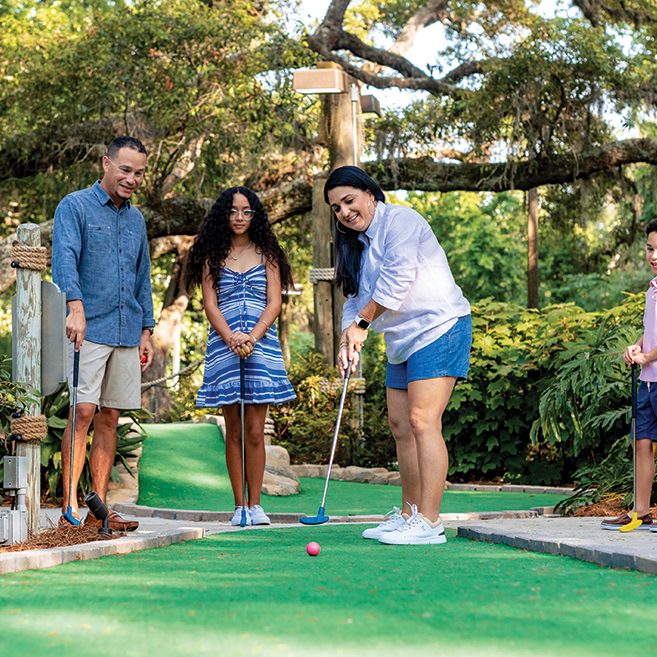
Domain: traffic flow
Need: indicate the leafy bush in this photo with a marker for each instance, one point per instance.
(610, 479)
(305, 426)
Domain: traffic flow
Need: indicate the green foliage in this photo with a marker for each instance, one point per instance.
(585, 402)
(610, 479)
(14, 397)
(484, 238)
(305, 426)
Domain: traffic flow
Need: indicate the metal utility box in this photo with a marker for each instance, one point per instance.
(15, 472)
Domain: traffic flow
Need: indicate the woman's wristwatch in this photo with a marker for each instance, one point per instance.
(361, 322)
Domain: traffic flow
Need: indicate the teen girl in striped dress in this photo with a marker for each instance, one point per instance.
(242, 270)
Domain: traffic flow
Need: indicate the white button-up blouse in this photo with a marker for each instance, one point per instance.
(404, 269)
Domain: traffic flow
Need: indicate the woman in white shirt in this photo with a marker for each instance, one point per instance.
(395, 276)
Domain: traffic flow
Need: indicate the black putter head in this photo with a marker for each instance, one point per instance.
(99, 510)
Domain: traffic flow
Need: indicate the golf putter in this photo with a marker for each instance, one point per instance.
(634, 523)
(321, 516)
(243, 514)
(74, 402)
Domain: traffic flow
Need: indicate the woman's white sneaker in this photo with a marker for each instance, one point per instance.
(258, 515)
(415, 531)
(237, 516)
(394, 521)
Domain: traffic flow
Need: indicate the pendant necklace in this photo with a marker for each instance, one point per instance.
(246, 248)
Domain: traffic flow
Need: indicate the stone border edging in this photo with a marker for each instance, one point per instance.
(512, 488)
(576, 548)
(283, 518)
(13, 562)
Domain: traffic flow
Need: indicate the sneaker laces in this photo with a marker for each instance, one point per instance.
(391, 516)
(413, 521)
(257, 509)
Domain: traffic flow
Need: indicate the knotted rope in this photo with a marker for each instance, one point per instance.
(30, 428)
(325, 274)
(29, 257)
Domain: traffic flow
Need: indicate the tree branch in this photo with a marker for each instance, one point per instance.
(427, 175)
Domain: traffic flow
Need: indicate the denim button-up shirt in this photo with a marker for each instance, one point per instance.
(100, 256)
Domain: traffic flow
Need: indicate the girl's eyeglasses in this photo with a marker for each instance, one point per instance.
(234, 213)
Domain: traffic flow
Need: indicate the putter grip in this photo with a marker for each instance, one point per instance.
(635, 402)
(76, 368)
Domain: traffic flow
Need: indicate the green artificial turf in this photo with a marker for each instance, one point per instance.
(183, 467)
(256, 592)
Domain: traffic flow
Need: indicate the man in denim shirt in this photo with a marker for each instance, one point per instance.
(100, 260)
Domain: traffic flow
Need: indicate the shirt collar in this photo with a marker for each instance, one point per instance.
(104, 198)
(376, 222)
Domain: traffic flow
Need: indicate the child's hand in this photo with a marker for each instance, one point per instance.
(242, 344)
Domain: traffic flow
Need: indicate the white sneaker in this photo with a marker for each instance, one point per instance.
(394, 521)
(415, 531)
(258, 515)
(237, 516)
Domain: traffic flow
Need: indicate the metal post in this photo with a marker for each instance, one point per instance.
(27, 367)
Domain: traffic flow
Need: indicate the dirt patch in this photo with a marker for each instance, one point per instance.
(61, 537)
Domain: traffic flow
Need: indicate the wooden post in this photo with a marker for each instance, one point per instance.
(532, 248)
(340, 132)
(322, 234)
(28, 365)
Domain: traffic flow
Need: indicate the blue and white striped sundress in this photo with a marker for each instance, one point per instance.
(242, 297)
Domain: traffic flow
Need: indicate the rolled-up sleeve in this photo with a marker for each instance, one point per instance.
(400, 262)
(66, 249)
(143, 292)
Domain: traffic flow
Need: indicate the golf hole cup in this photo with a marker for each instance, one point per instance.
(313, 549)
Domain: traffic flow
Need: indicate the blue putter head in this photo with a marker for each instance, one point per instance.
(70, 518)
(319, 519)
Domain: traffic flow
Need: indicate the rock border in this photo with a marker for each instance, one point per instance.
(285, 518)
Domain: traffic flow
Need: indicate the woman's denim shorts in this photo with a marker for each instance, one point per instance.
(449, 355)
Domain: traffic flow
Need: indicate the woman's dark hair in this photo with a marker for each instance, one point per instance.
(348, 247)
(651, 227)
(212, 243)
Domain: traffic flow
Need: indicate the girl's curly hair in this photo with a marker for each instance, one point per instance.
(212, 244)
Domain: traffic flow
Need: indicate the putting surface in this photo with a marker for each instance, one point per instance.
(183, 466)
(256, 592)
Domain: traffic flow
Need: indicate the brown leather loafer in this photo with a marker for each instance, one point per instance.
(622, 520)
(116, 522)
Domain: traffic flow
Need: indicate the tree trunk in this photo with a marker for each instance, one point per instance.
(157, 399)
(532, 248)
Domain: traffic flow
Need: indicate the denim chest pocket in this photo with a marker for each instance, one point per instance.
(130, 242)
(99, 238)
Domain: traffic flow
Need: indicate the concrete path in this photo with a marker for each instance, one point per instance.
(580, 538)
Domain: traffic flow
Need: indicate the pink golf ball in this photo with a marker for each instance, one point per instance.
(313, 549)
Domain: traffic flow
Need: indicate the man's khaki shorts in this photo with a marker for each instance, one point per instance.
(109, 377)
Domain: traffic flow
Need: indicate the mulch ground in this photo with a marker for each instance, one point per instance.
(611, 507)
(61, 537)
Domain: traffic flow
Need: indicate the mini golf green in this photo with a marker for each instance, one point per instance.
(256, 592)
(183, 466)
